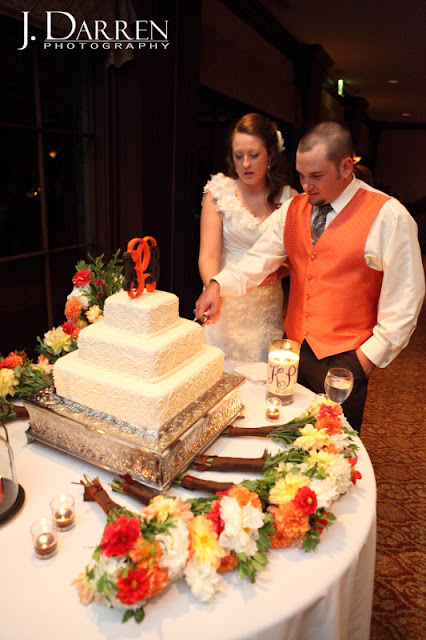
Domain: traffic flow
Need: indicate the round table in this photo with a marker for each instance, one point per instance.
(324, 595)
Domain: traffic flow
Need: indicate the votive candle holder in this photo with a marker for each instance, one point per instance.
(63, 511)
(45, 538)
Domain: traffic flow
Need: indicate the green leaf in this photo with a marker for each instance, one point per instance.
(129, 613)
(139, 615)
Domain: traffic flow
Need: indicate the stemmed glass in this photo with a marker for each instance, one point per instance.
(338, 384)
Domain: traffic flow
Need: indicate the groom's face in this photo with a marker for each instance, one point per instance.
(321, 180)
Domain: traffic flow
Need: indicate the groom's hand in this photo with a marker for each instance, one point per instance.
(209, 303)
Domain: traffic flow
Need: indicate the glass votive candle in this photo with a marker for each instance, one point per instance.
(45, 539)
(63, 512)
(273, 407)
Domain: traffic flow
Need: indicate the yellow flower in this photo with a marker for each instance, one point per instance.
(8, 382)
(161, 507)
(323, 457)
(58, 340)
(94, 314)
(204, 543)
(311, 438)
(286, 488)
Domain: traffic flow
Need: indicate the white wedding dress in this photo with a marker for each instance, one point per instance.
(248, 323)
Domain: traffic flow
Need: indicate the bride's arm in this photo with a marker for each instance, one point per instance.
(210, 240)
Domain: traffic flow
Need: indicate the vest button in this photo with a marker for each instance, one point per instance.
(309, 276)
(306, 314)
(305, 333)
(313, 256)
(307, 296)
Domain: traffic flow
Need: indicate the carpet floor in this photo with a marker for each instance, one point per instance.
(394, 433)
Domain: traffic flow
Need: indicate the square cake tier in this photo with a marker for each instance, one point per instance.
(141, 403)
(149, 359)
(147, 315)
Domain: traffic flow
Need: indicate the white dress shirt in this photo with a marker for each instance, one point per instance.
(392, 247)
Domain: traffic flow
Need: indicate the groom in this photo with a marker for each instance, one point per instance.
(356, 275)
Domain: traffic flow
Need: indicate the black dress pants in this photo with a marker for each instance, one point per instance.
(312, 373)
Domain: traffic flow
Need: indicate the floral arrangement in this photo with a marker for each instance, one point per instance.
(200, 539)
(93, 282)
(20, 376)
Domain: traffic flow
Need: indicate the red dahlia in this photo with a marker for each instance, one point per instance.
(133, 588)
(82, 278)
(120, 536)
(306, 500)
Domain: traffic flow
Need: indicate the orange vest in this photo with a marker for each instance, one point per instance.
(333, 293)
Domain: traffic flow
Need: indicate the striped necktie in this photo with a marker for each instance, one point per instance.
(318, 223)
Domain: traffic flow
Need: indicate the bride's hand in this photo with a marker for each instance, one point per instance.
(282, 272)
(207, 307)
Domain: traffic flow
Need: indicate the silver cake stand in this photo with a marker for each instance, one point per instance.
(152, 457)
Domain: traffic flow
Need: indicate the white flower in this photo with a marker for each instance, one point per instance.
(241, 526)
(341, 441)
(326, 492)
(341, 473)
(175, 549)
(281, 146)
(78, 292)
(203, 580)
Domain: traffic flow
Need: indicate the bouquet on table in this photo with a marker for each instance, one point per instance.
(22, 377)
(200, 539)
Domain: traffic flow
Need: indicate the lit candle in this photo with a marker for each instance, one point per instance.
(283, 365)
(44, 537)
(63, 512)
(273, 408)
(64, 518)
(45, 545)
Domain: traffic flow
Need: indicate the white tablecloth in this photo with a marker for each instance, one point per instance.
(325, 595)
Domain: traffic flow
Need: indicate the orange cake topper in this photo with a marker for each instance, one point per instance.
(141, 266)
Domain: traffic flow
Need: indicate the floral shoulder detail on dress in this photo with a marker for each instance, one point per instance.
(223, 191)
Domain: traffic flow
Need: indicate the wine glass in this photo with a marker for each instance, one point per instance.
(338, 384)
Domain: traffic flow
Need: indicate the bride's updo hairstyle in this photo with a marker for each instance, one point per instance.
(277, 176)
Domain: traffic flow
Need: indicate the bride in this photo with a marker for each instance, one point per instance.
(236, 211)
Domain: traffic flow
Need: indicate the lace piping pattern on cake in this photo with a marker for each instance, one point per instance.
(129, 360)
(151, 323)
(148, 413)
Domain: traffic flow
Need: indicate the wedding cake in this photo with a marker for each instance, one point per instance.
(142, 364)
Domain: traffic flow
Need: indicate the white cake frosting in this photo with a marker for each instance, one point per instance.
(142, 364)
(147, 315)
(147, 358)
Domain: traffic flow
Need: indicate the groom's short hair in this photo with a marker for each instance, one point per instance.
(334, 136)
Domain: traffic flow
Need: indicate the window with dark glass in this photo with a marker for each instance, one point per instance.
(46, 208)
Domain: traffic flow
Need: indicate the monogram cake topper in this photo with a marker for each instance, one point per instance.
(141, 266)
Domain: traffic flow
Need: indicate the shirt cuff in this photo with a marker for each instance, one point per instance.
(226, 283)
(379, 354)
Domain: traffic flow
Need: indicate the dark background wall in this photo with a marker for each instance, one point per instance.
(154, 130)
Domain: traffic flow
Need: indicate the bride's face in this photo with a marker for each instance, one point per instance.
(250, 158)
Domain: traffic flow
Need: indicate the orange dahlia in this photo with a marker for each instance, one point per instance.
(158, 578)
(73, 310)
(228, 563)
(244, 496)
(146, 554)
(11, 362)
(330, 423)
(289, 524)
